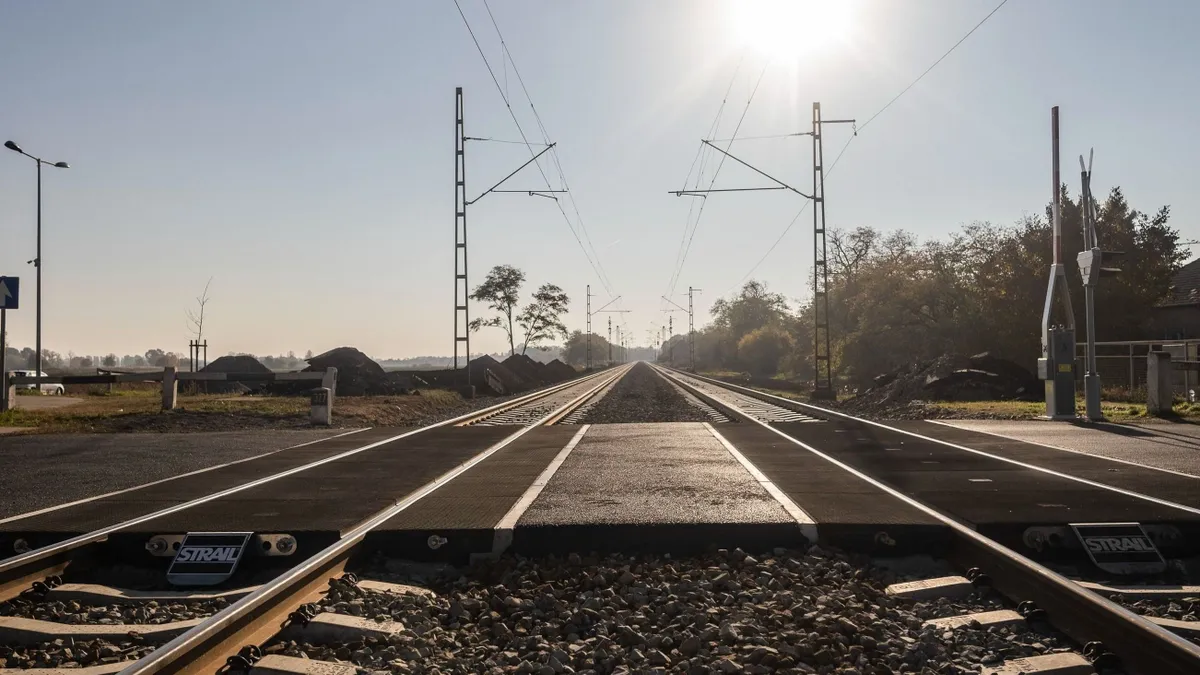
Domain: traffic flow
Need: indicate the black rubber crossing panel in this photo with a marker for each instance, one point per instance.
(466, 511)
(997, 498)
(106, 511)
(849, 512)
(1168, 486)
(327, 498)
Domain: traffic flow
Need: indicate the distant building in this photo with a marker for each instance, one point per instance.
(1178, 317)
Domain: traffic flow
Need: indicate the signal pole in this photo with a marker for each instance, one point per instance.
(462, 312)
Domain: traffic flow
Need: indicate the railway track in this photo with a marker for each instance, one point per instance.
(317, 609)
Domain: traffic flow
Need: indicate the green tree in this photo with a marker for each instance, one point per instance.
(763, 350)
(501, 290)
(574, 350)
(542, 319)
(752, 308)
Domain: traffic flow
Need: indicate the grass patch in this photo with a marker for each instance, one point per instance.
(140, 410)
(1114, 411)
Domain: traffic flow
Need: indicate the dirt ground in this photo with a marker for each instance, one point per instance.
(138, 410)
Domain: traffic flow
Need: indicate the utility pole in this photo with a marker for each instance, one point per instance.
(589, 323)
(610, 341)
(822, 363)
(692, 327)
(691, 323)
(462, 313)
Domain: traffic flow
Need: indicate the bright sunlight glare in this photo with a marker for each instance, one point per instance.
(787, 29)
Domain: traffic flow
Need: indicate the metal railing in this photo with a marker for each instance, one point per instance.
(1122, 363)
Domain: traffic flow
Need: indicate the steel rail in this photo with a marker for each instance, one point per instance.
(19, 571)
(1083, 615)
(206, 647)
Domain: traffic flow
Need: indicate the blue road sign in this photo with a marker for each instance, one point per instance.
(9, 292)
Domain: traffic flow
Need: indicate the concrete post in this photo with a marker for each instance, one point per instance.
(322, 406)
(329, 381)
(1159, 397)
(170, 388)
(8, 395)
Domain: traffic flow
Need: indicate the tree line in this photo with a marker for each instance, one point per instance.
(23, 359)
(895, 300)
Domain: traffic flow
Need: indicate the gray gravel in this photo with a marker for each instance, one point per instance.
(72, 653)
(41, 471)
(68, 653)
(72, 612)
(644, 396)
(1186, 609)
(786, 612)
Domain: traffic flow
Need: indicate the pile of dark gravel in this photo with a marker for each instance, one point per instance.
(643, 395)
(728, 612)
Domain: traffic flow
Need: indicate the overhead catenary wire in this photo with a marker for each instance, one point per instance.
(860, 128)
(716, 173)
(520, 130)
(701, 159)
(553, 155)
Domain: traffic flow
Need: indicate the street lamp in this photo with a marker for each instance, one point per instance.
(37, 261)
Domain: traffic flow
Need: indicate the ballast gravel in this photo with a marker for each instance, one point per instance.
(785, 612)
(70, 653)
(643, 395)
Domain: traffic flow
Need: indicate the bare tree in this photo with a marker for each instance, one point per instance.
(196, 317)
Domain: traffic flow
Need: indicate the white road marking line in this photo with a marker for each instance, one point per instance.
(502, 536)
(1062, 449)
(913, 434)
(808, 526)
(114, 493)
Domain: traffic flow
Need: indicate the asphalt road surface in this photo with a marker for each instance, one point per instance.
(84, 465)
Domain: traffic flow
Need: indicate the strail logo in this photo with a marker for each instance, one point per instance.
(222, 554)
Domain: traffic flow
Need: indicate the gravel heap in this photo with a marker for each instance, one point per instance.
(728, 612)
(643, 396)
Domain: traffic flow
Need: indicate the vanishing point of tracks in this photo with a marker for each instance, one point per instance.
(550, 494)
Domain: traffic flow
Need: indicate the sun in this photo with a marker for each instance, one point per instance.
(789, 29)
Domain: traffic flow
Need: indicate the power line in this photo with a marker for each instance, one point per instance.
(795, 217)
(595, 266)
(864, 125)
(721, 163)
(935, 63)
(554, 157)
(701, 158)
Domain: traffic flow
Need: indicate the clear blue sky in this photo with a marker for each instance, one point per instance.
(300, 153)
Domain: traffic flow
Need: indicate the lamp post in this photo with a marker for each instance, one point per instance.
(37, 260)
